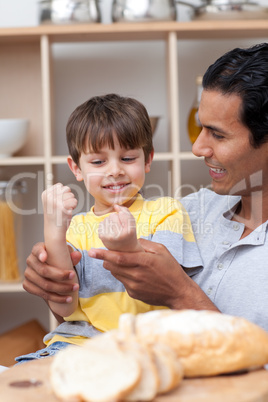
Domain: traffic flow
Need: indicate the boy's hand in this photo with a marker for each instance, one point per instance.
(58, 203)
(118, 231)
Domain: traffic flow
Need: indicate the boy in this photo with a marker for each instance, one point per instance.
(110, 145)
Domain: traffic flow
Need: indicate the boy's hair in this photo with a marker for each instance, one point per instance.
(244, 72)
(94, 124)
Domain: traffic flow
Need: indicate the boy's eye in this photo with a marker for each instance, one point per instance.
(128, 159)
(97, 162)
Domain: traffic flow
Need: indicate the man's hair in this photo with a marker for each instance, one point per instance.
(97, 121)
(244, 72)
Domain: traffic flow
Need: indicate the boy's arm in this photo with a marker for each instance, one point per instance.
(118, 231)
(58, 203)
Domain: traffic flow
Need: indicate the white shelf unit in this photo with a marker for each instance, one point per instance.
(11, 287)
(32, 46)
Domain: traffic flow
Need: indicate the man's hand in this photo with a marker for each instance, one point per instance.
(50, 283)
(154, 277)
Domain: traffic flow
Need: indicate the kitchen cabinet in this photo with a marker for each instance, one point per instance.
(26, 66)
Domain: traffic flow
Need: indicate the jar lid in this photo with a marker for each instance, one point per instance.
(13, 186)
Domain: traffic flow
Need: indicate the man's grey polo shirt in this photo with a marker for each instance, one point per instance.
(235, 273)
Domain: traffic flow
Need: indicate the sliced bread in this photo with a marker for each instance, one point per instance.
(92, 373)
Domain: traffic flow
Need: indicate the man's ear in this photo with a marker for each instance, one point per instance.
(74, 168)
(149, 161)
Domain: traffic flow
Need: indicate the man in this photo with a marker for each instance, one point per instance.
(230, 223)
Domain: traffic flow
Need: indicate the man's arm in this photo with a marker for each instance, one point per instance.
(154, 277)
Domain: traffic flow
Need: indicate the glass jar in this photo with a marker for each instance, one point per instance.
(10, 193)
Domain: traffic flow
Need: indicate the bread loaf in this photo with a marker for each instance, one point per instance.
(150, 353)
(207, 343)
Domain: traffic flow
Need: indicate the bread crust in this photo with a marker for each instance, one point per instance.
(207, 343)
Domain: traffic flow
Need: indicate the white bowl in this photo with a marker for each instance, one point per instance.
(13, 135)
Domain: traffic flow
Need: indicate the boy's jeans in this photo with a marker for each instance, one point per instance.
(50, 350)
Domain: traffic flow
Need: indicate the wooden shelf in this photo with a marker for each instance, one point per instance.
(138, 31)
(22, 160)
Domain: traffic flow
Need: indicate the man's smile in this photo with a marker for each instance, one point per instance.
(217, 170)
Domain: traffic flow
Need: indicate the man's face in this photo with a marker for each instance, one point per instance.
(234, 165)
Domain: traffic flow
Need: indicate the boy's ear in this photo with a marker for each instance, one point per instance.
(74, 168)
(149, 161)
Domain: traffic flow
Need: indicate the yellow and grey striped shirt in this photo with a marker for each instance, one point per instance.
(102, 298)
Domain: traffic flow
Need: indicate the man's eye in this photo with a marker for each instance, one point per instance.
(217, 136)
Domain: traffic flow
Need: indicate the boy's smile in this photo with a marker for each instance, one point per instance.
(116, 187)
(112, 176)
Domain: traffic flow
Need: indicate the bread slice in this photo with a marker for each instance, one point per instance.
(169, 367)
(127, 324)
(207, 343)
(148, 384)
(94, 373)
(147, 387)
(161, 370)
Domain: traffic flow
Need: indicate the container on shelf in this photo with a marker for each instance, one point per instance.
(226, 10)
(194, 126)
(143, 10)
(13, 135)
(69, 11)
(10, 200)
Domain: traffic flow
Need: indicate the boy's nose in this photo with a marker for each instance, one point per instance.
(115, 169)
(202, 145)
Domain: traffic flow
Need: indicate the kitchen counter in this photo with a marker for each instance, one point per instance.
(30, 382)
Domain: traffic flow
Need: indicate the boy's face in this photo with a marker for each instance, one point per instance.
(112, 176)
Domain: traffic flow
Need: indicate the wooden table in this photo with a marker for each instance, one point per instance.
(247, 387)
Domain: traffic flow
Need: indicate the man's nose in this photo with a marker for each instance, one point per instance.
(202, 145)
